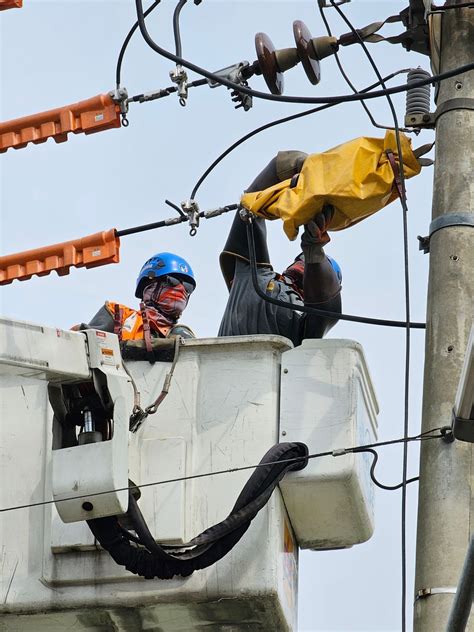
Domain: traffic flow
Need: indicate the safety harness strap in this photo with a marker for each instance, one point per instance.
(396, 173)
(118, 321)
(147, 333)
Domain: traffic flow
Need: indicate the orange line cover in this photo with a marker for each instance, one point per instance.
(10, 4)
(91, 251)
(92, 115)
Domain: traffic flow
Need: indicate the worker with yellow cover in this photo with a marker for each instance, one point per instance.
(311, 279)
(322, 192)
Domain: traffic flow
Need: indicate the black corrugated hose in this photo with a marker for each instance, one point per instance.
(150, 560)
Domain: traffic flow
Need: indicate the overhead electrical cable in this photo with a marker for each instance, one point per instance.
(280, 121)
(126, 42)
(347, 79)
(288, 99)
(444, 432)
(313, 310)
(389, 488)
(176, 31)
(402, 196)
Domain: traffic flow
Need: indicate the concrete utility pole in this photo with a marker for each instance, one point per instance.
(446, 502)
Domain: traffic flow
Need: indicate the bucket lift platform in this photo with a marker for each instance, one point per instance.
(230, 400)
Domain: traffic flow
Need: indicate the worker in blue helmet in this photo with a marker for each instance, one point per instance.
(313, 279)
(164, 285)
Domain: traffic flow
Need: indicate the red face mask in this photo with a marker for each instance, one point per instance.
(295, 273)
(168, 296)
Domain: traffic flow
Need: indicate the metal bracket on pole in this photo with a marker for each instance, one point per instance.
(453, 104)
(444, 221)
(462, 429)
(428, 592)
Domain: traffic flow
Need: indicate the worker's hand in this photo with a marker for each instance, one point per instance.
(316, 231)
(315, 235)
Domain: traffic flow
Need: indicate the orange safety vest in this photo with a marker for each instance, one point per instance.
(128, 322)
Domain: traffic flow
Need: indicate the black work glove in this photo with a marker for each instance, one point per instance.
(315, 235)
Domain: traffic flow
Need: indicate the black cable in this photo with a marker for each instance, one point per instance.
(212, 544)
(176, 32)
(313, 310)
(288, 99)
(346, 77)
(118, 70)
(163, 92)
(175, 220)
(176, 208)
(407, 308)
(266, 126)
(443, 432)
(372, 472)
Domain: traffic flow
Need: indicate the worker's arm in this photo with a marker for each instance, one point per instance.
(283, 166)
(102, 320)
(322, 288)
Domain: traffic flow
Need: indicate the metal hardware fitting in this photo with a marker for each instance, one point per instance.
(180, 78)
(444, 221)
(120, 97)
(428, 120)
(191, 208)
(453, 104)
(428, 592)
(462, 429)
(235, 73)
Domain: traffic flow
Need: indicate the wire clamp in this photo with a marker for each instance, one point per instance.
(137, 418)
(191, 209)
(447, 433)
(445, 221)
(246, 216)
(120, 97)
(237, 73)
(180, 78)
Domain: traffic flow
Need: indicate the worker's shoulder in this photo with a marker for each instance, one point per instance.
(110, 306)
(181, 330)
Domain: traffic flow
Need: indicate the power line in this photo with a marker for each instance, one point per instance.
(118, 70)
(346, 77)
(287, 99)
(443, 432)
(313, 310)
(176, 29)
(280, 121)
(402, 195)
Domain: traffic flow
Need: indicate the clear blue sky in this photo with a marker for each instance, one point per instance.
(55, 53)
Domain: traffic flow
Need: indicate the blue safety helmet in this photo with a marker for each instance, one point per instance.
(336, 267)
(160, 265)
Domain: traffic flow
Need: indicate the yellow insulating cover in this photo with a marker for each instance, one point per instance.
(356, 178)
